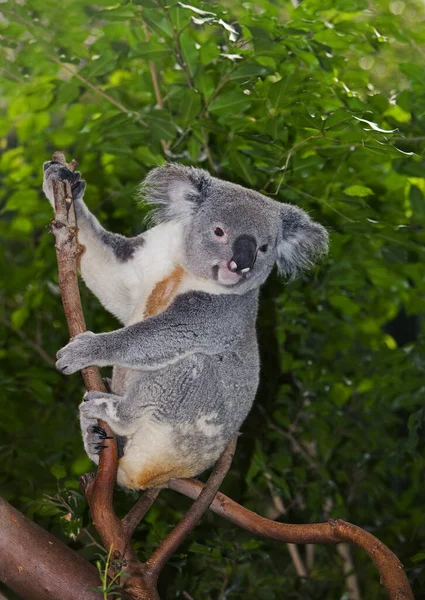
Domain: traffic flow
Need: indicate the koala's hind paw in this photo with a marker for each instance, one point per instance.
(95, 436)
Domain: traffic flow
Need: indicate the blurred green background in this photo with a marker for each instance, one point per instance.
(321, 104)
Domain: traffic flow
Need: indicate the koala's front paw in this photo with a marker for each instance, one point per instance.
(55, 171)
(81, 352)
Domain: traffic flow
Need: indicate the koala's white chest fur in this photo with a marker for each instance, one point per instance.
(157, 274)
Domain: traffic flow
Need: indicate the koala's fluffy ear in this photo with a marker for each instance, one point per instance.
(301, 241)
(176, 190)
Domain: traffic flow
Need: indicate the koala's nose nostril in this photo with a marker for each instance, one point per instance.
(233, 266)
(246, 270)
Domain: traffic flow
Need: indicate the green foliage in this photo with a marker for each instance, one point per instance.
(321, 105)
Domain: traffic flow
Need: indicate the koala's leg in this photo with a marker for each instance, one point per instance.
(107, 256)
(110, 408)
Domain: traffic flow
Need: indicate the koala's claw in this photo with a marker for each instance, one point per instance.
(95, 438)
(100, 447)
(56, 171)
(101, 433)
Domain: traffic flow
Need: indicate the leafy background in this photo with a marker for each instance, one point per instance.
(321, 104)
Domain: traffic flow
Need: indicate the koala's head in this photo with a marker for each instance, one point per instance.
(231, 234)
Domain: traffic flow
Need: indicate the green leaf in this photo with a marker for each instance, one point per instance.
(279, 93)
(358, 190)
(338, 117)
(417, 201)
(345, 305)
(230, 103)
(58, 471)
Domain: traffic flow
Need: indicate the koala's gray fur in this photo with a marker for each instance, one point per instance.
(186, 363)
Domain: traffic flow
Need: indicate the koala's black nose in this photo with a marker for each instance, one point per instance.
(244, 254)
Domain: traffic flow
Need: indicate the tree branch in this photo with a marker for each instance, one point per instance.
(36, 565)
(138, 511)
(203, 500)
(99, 490)
(392, 575)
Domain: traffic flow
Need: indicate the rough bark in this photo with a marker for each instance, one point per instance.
(38, 566)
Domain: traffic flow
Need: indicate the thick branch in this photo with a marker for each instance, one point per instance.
(36, 565)
(203, 500)
(392, 575)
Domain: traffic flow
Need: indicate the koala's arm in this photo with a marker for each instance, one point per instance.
(195, 323)
(106, 254)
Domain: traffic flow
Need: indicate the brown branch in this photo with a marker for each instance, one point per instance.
(392, 575)
(35, 564)
(203, 500)
(138, 511)
(99, 490)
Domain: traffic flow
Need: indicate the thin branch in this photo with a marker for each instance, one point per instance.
(310, 553)
(40, 351)
(155, 83)
(294, 553)
(208, 150)
(12, 76)
(352, 584)
(154, 74)
(138, 511)
(392, 575)
(98, 90)
(207, 493)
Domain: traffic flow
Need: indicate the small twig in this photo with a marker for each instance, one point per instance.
(155, 83)
(310, 554)
(352, 584)
(92, 539)
(12, 76)
(208, 151)
(392, 575)
(168, 546)
(294, 553)
(154, 74)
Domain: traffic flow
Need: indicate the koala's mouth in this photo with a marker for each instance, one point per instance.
(226, 276)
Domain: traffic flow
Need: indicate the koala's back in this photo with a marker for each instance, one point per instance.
(192, 410)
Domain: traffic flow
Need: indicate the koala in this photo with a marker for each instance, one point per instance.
(185, 362)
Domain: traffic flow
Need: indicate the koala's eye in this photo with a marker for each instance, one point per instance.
(218, 232)
(263, 248)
